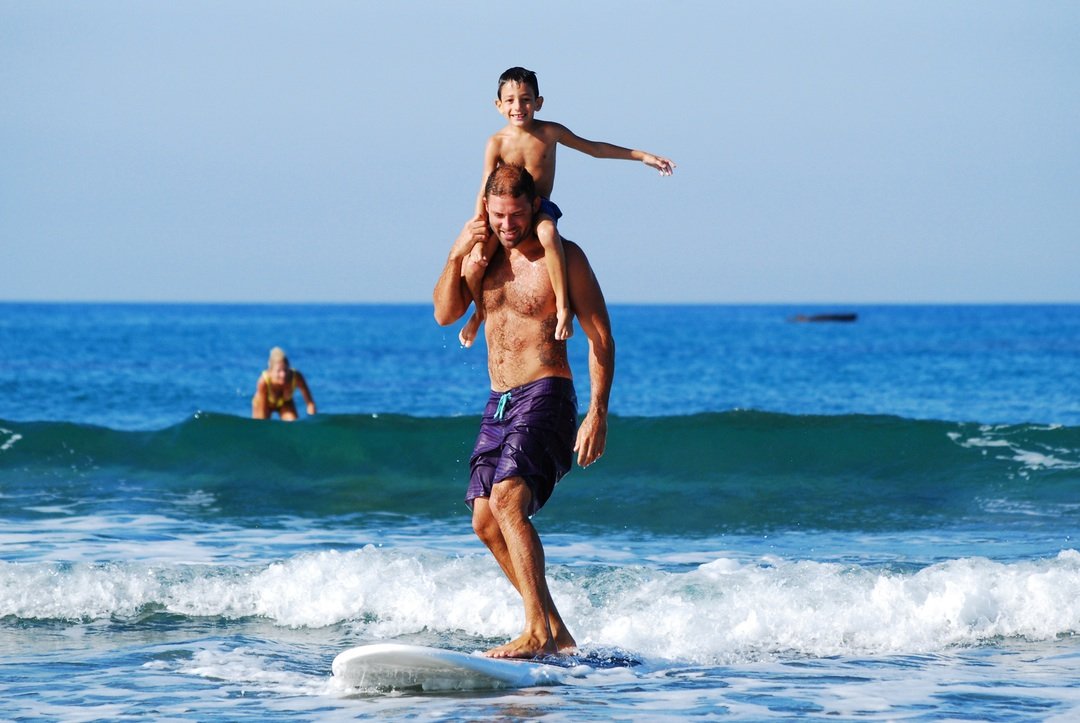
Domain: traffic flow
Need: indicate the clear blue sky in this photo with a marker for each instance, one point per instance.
(330, 151)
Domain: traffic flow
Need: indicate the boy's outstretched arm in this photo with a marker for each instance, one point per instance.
(601, 149)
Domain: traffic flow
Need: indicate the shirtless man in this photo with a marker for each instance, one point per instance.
(527, 436)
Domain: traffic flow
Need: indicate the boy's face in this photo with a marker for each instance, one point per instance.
(517, 103)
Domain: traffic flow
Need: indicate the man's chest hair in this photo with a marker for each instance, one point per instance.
(524, 290)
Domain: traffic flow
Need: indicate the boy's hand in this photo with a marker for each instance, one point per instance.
(476, 256)
(665, 165)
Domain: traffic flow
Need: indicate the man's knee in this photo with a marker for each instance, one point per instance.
(484, 525)
(510, 498)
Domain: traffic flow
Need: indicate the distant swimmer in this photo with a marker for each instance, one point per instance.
(531, 143)
(529, 432)
(275, 388)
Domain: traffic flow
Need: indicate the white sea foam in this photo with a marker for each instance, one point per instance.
(1030, 460)
(722, 611)
(12, 438)
(255, 671)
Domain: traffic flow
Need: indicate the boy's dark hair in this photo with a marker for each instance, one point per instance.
(518, 75)
(511, 181)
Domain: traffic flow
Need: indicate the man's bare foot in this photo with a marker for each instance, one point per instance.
(467, 335)
(526, 646)
(564, 324)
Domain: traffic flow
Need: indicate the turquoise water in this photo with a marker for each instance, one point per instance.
(868, 521)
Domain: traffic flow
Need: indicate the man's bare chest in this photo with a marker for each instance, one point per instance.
(522, 289)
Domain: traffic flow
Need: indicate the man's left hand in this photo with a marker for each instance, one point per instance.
(591, 438)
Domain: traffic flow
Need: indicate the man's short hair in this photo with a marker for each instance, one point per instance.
(510, 180)
(518, 75)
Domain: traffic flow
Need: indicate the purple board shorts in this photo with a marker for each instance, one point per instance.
(527, 432)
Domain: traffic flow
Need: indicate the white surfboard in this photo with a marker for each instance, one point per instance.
(398, 666)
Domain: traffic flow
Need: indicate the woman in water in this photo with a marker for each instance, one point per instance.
(275, 388)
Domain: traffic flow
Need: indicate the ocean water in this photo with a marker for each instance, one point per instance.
(866, 521)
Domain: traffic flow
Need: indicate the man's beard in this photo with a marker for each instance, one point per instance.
(529, 231)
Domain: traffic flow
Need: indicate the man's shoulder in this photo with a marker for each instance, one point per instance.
(574, 253)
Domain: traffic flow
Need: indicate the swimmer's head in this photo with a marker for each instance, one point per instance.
(277, 354)
(278, 365)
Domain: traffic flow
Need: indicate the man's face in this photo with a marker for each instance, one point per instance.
(510, 218)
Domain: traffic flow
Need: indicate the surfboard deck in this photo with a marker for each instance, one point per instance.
(399, 666)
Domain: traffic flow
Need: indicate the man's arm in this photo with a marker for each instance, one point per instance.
(600, 149)
(451, 294)
(588, 303)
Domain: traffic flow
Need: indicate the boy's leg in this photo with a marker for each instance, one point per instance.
(555, 260)
(475, 268)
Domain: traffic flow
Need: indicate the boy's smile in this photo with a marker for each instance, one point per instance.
(518, 104)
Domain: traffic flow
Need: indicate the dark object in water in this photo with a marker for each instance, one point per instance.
(825, 317)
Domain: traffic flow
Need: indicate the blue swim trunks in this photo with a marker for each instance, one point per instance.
(548, 206)
(527, 432)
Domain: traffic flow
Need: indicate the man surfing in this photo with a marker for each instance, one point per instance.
(527, 435)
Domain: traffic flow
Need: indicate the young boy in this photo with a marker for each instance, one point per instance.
(528, 142)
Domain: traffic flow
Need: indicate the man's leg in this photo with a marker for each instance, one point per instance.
(502, 523)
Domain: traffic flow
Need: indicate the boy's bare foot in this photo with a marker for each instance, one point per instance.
(467, 335)
(564, 324)
(526, 646)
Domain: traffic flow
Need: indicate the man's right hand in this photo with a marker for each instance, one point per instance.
(475, 232)
(451, 295)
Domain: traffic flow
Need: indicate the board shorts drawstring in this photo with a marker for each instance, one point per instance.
(501, 410)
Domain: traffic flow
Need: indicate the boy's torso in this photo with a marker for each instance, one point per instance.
(533, 148)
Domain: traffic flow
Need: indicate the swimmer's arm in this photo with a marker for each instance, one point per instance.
(301, 384)
(600, 149)
(451, 296)
(259, 407)
(588, 303)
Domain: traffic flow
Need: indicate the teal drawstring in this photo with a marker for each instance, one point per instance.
(503, 401)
